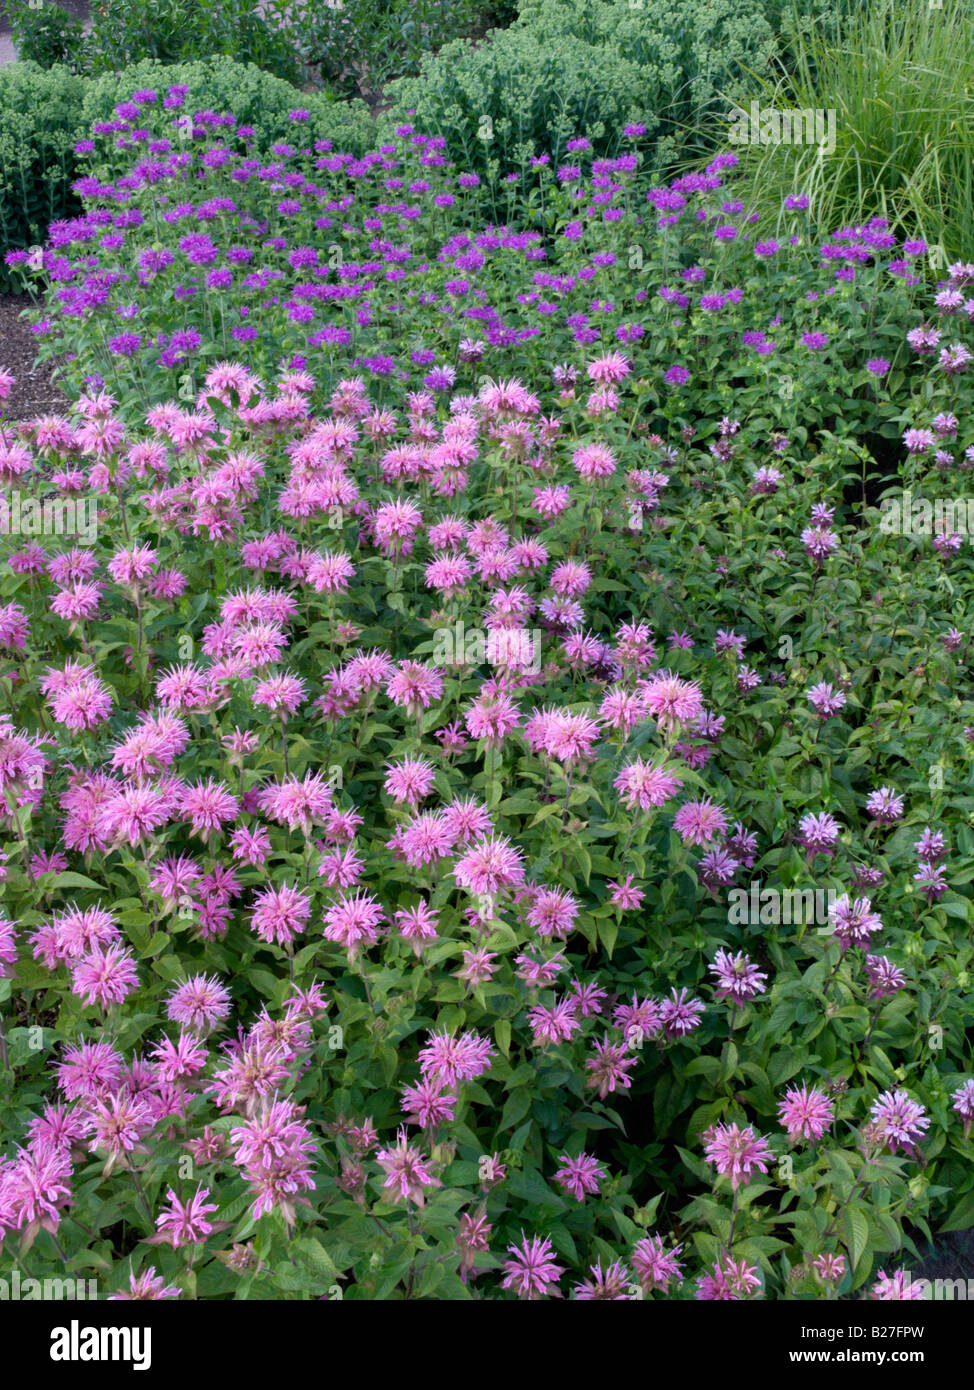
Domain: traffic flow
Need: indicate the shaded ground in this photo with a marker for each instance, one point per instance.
(35, 392)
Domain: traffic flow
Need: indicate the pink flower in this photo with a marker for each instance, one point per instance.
(199, 1003)
(105, 977)
(580, 1175)
(407, 1169)
(281, 694)
(897, 1288)
(449, 1059)
(732, 1280)
(609, 1067)
(531, 1272)
(409, 780)
(805, 1114)
(280, 914)
(738, 978)
(901, 1121)
(645, 786)
(78, 698)
(119, 1123)
(700, 822)
(829, 1268)
(626, 895)
(352, 919)
(736, 1152)
(609, 1285)
(427, 1105)
(594, 461)
(8, 947)
(185, 1223)
(490, 866)
(672, 700)
(417, 925)
(656, 1268)
(206, 805)
(415, 686)
(144, 1286)
(553, 1025)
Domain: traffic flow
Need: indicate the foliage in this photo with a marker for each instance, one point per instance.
(898, 78)
(587, 69)
(44, 33)
(475, 614)
(40, 115)
(175, 31)
(360, 45)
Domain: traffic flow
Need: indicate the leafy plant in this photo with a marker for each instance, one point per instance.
(174, 31)
(40, 121)
(586, 69)
(44, 33)
(899, 78)
(360, 45)
(483, 627)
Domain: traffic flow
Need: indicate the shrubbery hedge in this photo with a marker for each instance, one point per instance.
(40, 118)
(588, 69)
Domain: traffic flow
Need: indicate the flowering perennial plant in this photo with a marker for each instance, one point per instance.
(471, 608)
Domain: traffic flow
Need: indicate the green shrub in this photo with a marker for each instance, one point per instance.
(255, 97)
(359, 45)
(588, 69)
(176, 31)
(44, 34)
(40, 118)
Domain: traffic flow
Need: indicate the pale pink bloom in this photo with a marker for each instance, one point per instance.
(806, 1114)
(579, 1176)
(672, 700)
(105, 977)
(207, 805)
(119, 1123)
(625, 895)
(736, 1152)
(609, 1067)
(415, 686)
(646, 786)
(280, 914)
(409, 780)
(656, 1267)
(146, 1286)
(352, 920)
(897, 1288)
(185, 1223)
(730, 1281)
(700, 822)
(200, 1002)
(491, 865)
(407, 1169)
(531, 1272)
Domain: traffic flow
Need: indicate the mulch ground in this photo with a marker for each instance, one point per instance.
(35, 392)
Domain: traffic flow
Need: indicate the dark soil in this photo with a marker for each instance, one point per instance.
(35, 392)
